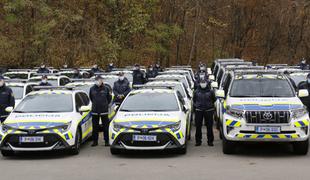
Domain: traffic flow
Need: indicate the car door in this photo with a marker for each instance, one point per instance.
(226, 85)
(86, 123)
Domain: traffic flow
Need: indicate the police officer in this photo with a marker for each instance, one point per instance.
(76, 74)
(138, 75)
(110, 67)
(151, 72)
(100, 97)
(157, 67)
(6, 99)
(95, 69)
(43, 69)
(204, 99)
(303, 64)
(305, 85)
(121, 88)
(44, 81)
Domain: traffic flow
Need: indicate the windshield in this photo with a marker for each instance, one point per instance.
(150, 102)
(45, 103)
(18, 91)
(17, 76)
(299, 78)
(261, 88)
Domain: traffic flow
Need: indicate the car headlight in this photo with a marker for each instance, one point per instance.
(65, 127)
(235, 113)
(298, 113)
(5, 128)
(174, 127)
(117, 127)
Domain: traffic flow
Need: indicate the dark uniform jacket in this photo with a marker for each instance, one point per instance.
(204, 99)
(121, 88)
(43, 70)
(101, 98)
(138, 77)
(45, 84)
(6, 99)
(151, 74)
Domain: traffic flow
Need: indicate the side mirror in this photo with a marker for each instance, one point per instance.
(9, 109)
(115, 108)
(84, 109)
(211, 77)
(214, 85)
(303, 93)
(220, 93)
(185, 108)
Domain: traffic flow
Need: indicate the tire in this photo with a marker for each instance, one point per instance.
(301, 148)
(7, 153)
(77, 145)
(115, 151)
(228, 147)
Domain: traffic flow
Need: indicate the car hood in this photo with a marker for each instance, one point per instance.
(258, 104)
(146, 119)
(37, 120)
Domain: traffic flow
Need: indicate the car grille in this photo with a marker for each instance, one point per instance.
(162, 139)
(268, 117)
(49, 140)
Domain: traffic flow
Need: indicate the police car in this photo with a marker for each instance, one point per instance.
(53, 79)
(20, 89)
(150, 118)
(46, 120)
(262, 106)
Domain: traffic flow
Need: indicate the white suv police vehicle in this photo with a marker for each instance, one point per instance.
(150, 118)
(262, 106)
(46, 120)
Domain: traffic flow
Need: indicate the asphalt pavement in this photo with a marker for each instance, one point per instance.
(255, 161)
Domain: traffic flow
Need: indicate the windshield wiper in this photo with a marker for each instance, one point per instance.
(19, 111)
(126, 110)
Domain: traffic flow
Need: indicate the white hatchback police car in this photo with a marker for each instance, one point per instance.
(45, 120)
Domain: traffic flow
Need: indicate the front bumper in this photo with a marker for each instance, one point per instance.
(164, 141)
(237, 129)
(51, 142)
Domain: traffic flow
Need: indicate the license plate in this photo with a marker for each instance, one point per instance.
(31, 139)
(268, 129)
(144, 138)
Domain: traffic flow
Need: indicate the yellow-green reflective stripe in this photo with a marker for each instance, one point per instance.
(87, 132)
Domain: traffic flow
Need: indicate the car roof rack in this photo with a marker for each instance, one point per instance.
(229, 59)
(153, 87)
(19, 70)
(82, 80)
(165, 79)
(46, 74)
(16, 80)
(53, 87)
(244, 68)
(276, 65)
(182, 66)
(236, 63)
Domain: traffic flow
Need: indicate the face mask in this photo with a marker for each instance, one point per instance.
(202, 69)
(303, 62)
(42, 67)
(203, 85)
(151, 69)
(44, 81)
(136, 68)
(98, 83)
(121, 78)
(201, 76)
(65, 66)
(95, 66)
(1, 83)
(111, 64)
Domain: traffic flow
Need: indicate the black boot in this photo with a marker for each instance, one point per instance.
(106, 144)
(198, 144)
(210, 144)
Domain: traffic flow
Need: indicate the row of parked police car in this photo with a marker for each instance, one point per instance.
(253, 104)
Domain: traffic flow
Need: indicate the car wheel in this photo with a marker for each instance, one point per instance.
(228, 147)
(78, 141)
(115, 151)
(301, 148)
(7, 153)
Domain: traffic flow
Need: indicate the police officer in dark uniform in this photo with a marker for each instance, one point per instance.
(6, 99)
(151, 72)
(138, 75)
(110, 67)
(95, 69)
(303, 64)
(204, 99)
(121, 88)
(43, 69)
(305, 85)
(44, 81)
(100, 97)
